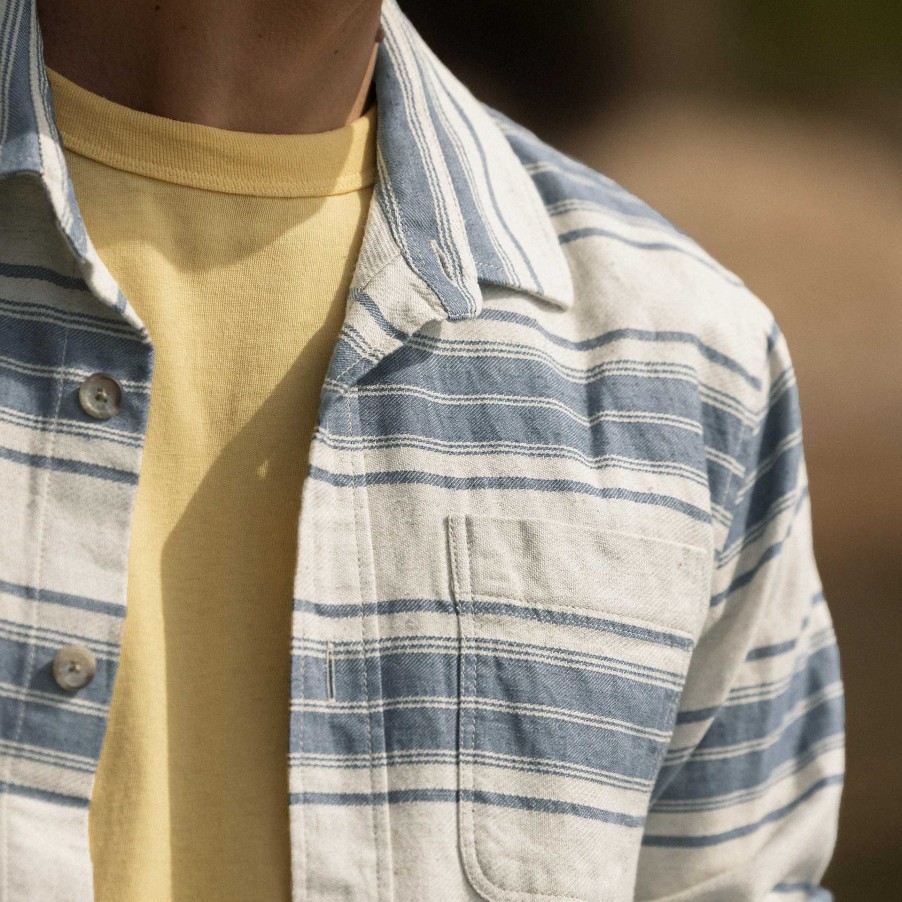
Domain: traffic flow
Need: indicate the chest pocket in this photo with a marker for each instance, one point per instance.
(574, 647)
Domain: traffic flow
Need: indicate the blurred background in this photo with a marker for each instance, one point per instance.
(771, 132)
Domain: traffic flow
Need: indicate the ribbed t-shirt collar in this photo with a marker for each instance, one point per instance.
(215, 159)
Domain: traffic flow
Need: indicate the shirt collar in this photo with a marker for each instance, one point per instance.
(460, 205)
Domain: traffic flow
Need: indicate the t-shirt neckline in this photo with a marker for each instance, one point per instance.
(215, 159)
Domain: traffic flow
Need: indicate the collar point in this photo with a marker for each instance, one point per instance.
(559, 292)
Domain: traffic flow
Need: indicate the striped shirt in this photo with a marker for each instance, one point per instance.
(558, 629)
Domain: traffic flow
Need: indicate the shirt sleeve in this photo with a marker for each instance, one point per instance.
(746, 804)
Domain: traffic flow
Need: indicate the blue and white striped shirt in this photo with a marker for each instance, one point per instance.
(558, 629)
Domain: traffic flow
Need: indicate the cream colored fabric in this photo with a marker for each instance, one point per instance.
(236, 250)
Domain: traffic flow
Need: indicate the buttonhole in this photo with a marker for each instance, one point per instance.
(330, 671)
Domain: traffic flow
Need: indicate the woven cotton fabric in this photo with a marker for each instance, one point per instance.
(558, 629)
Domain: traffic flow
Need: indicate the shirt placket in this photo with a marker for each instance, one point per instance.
(339, 817)
(86, 367)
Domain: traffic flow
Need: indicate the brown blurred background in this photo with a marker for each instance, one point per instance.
(770, 131)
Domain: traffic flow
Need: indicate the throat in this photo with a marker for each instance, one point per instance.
(265, 66)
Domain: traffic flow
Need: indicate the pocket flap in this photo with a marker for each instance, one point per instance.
(630, 576)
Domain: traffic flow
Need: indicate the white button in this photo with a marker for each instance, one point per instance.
(100, 396)
(74, 667)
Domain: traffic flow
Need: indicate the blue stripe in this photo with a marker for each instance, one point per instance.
(572, 180)
(435, 728)
(18, 642)
(41, 756)
(713, 839)
(697, 715)
(378, 316)
(773, 337)
(797, 764)
(535, 355)
(509, 483)
(719, 474)
(558, 185)
(67, 427)
(43, 274)
(41, 344)
(699, 779)
(50, 400)
(453, 757)
(645, 335)
(64, 465)
(497, 799)
(604, 748)
(82, 602)
(428, 644)
(793, 499)
(48, 726)
(558, 715)
(772, 651)
(759, 718)
(346, 365)
(590, 232)
(745, 578)
(37, 342)
(519, 395)
(586, 621)
(782, 474)
(66, 319)
(567, 687)
(769, 554)
(553, 806)
(42, 795)
(481, 422)
(376, 608)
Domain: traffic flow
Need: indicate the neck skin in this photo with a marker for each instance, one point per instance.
(265, 66)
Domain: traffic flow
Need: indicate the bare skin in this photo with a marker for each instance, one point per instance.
(266, 66)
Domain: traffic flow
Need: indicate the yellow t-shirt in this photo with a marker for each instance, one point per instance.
(237, 251)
